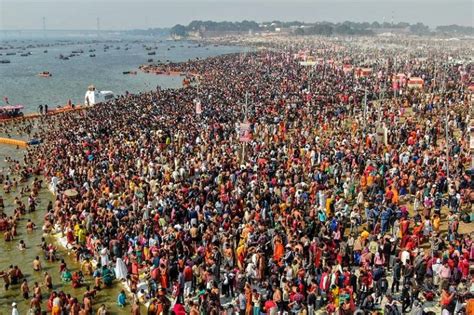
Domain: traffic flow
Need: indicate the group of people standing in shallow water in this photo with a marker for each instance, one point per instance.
(334, 201)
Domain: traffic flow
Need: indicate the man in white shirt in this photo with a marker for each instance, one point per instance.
(405, 256)
(14, 309)
(436, 267)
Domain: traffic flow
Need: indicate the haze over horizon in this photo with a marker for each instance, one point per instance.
(124, 15)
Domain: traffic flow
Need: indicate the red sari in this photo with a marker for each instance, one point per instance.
(164, 278)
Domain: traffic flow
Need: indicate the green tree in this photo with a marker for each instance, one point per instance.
(178, 30)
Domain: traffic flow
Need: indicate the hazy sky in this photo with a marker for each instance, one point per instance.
(128, 14)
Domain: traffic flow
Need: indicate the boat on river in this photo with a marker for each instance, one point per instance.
(94, 96)
(45, 74)
(11, 111)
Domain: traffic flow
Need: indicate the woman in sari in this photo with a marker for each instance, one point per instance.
(120, 269)
(107, 276)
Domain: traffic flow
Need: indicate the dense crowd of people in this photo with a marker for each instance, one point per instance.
(340, 198)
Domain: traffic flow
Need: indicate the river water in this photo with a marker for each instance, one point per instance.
(19, 79)
(20, 83)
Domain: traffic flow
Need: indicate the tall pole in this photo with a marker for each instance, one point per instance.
(394, 71)
(446, 125)
(382, 95)
(309, 78)
(365, 108)
(245, 120)
(246, 104)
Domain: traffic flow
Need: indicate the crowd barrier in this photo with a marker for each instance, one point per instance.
(50, 113)
(9, 141)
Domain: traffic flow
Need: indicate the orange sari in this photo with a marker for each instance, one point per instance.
(278, 252)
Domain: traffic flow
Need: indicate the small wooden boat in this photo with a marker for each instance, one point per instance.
(45, 74)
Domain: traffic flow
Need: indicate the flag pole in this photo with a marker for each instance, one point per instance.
(244, 146)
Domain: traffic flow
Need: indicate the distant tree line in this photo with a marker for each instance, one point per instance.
(328, 29)
(455, 29)
(320, 28)
(211, 26)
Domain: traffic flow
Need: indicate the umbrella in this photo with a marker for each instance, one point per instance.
(71, 193)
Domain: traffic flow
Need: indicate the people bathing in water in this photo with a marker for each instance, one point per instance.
(50, 252)
(11, 276)
(30, 226)
(25, 290)
(66, 275)
(48, 281)
(7, 236)
(121, 299)
(37, 264)
(22, 245)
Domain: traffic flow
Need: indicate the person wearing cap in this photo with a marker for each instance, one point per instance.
(15, 309)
